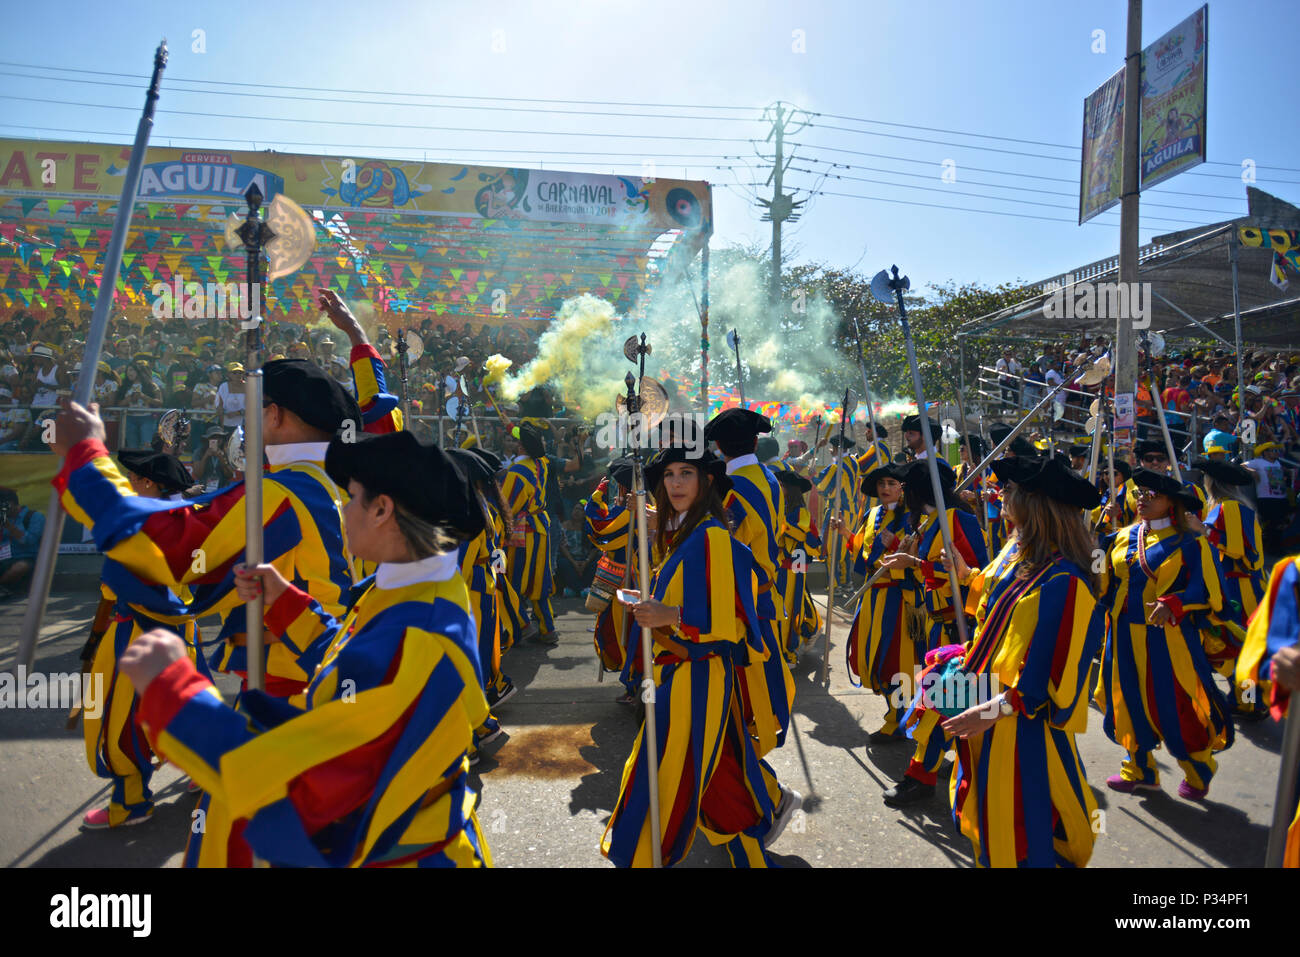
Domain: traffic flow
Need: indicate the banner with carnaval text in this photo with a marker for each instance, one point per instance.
(85, 171)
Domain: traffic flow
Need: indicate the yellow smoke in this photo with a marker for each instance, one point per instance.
(496, 365)
(767, 355)
(580, 356)
(808, 405)
(788, 381)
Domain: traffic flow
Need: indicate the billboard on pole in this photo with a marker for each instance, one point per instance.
(1173, 101)
(1101, 179)
(1172, 136)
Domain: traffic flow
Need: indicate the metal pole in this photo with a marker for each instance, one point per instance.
(83, 391)
(704, 330)
(1016, 429)
(832, 559)
(1125, 358)
(936, 486)
(866, 387)
(255, 234)
(740, 376)
(1236, 319)
(970, 457)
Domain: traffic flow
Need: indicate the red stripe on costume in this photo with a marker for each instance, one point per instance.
(681, 803)
(1064, 633)
(293, 601)
(727, 805)
(177, 532)
(960, 542)
(167, 694)
(81, 453)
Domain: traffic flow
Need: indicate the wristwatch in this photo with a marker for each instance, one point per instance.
(1006, 707)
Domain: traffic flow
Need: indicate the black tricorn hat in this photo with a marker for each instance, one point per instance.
(999, 431)
(768, 448)
(736, 425)
(913, 424)
(490, 459)
(707, 462)
(1148, 446)
(305, 389)
(792, 479)
(530, 437)
(1224, 472)
(1169, 486)
(621, 469)
(916, 477)
(418, 475)
(872, 478)
(1080, 451)
(165, 471)
(844, 442)
(1048, 476)
(1021, 446)
(978, 447)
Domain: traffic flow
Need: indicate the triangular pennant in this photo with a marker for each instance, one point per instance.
(28, 205)
(54, 205)
(342, 280)
(79, 205)
(80, 234)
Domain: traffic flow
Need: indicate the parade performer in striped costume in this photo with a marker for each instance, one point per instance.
(847, 505)
(1019, 792)
(880, 649)
(190, 550)
(933, 625)
(529, 563)
(702, 616)
(1233, 529)
(1152, 455)
(1269, 666)
(611, 529)
(800, 544)
(874, 455)
(1156, 684)
(1109, 518)
(369, 768)
(115, 746)
(480, 560)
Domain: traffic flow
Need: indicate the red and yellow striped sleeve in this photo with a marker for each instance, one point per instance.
(162, 543)
(379, 408)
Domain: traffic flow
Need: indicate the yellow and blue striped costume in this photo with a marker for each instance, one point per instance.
(1019, 792)
(369, 767)
(116, 748)
(800, 545)
(755, 506)
(846, 507)
(934, 624)
(524, 489)
(1234, 531)
(476, 559)
(1156, 684)
(879, 647)
(709, 775)
(1275, 625)
(191, 550)
(616, 635)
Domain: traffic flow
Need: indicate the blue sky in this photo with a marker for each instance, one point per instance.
(1018, 70)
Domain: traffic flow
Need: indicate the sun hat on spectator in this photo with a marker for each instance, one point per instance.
(234, 367)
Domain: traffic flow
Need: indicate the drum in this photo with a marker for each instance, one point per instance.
(608, 579)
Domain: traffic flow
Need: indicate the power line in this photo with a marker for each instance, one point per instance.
(390, 126)
(994, 212)
(427, 106)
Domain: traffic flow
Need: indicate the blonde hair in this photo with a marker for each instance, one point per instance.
(1046, 528)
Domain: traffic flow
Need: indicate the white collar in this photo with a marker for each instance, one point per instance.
(920, 454)
(435, 568)
(889, 507)
(1160, 523)
(740, 461)
(296, 452)
(675, 522)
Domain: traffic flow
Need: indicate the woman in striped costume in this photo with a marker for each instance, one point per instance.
(702, 616)
(799, 545)
(370, 767)
(1156, 684)
(879, 646)
(1019, 793)
(1233, 529)
(524, 490)
(610, 528)
(481, 563)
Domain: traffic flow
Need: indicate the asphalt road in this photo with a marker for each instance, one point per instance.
(548, 788)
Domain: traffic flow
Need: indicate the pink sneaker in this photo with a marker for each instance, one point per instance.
(1185, 790)
(97, 820)
(1117, 782)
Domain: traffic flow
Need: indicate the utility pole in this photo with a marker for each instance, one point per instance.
(782, 207)
(1125, 351)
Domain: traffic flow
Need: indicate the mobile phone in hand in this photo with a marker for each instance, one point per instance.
(628, 596)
